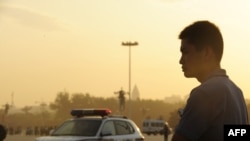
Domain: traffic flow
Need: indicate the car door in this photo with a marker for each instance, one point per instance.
(124, 130)
(117, 130)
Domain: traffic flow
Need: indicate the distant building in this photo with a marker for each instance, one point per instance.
(173, 99)
(15, 110)
(135, 93)
(33, 109)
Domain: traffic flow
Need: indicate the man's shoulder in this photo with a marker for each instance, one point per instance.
(217, 83)
(213, 86)
(217, 88)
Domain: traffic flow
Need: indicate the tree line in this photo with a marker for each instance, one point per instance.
(64, 102)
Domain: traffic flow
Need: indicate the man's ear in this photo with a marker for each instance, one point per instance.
(208, 53)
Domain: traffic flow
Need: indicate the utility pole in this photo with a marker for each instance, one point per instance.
(129, 44)
(12, 99)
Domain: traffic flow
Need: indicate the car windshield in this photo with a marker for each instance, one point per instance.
(86, 127)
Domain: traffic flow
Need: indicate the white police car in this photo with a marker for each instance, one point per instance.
(95, 125)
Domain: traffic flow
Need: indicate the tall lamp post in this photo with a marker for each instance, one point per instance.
(129, 44)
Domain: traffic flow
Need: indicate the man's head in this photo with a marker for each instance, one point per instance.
(202, 49)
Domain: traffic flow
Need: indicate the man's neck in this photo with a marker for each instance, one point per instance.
(207, 72)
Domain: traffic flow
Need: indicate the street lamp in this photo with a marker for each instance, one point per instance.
(129, 44)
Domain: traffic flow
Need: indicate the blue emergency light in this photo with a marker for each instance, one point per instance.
(90, 112)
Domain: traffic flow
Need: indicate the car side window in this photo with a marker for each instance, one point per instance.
(108, 128)
(123, 127)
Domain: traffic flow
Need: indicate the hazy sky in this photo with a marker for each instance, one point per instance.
(49, 46)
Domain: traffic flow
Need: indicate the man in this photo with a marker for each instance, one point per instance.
(217, 100)
(122, 99)
(3, 132)
(166, 131)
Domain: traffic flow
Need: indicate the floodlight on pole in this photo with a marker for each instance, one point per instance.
(129, 44)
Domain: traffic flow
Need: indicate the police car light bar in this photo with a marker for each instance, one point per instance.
(90, 112)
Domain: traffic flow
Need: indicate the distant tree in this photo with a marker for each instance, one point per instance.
(62, 106)
(174, 118)
(63, 103)
(77, 100)
(26, 109)
(80, 100)
(110, 102)
(174, 115)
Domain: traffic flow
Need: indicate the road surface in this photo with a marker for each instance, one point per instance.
(32, 138)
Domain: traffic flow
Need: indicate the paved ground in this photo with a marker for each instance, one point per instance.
(20, 138)
(32, 138)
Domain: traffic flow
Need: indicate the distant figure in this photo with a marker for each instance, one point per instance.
(3, 132)
(7, 106)
(166, 131)
(121, 98)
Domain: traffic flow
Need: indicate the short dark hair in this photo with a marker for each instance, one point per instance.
(204, 33)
